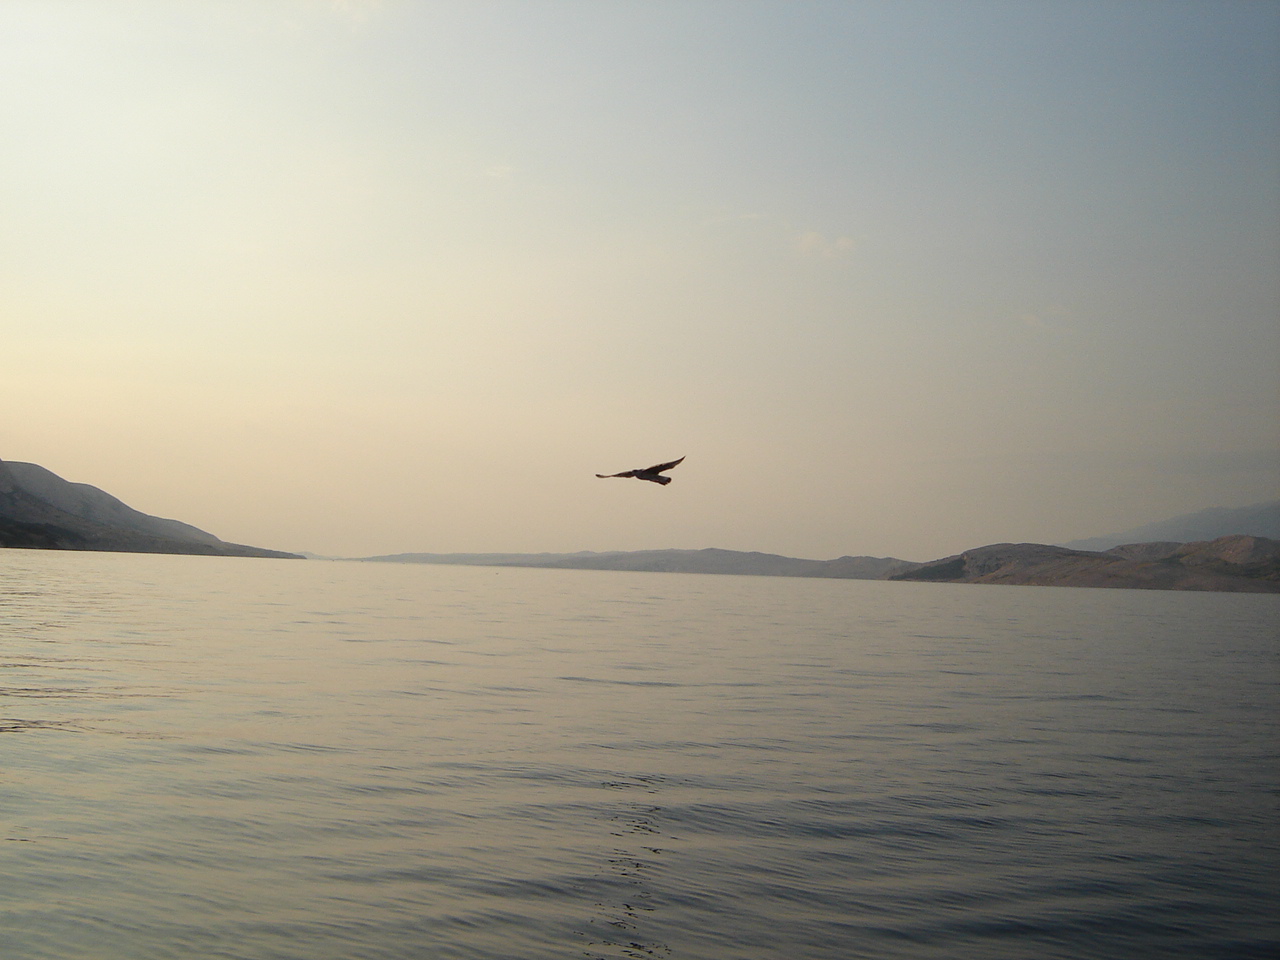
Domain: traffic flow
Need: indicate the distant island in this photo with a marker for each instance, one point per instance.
(40, 510)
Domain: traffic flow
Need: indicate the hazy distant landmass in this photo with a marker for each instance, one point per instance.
(1239, 563)
(38, 509)
(1259, 520)
(710, 560)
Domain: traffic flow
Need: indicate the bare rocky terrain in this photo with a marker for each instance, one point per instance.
(1237, 563)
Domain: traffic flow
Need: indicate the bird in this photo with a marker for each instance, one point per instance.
(652, 474)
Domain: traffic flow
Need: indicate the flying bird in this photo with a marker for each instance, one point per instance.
(652, 474)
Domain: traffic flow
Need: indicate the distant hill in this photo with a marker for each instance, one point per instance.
(39, 509)
(711, 560)
(1239, 564)
(1259, 520)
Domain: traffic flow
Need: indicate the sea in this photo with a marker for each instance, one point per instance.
(259, 759)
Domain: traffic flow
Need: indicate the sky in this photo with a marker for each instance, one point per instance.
(898, 279)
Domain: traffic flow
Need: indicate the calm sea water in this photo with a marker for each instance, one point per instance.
(259, 759)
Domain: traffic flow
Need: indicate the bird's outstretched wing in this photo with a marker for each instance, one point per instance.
(658, 468)
(625, 473)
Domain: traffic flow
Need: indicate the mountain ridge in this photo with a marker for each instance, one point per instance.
(40, 510)
(1258, 519)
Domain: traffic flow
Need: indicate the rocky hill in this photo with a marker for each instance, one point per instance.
(1238, 563)
(38, 509)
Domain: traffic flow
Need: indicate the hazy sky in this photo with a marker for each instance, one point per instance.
(898, 278)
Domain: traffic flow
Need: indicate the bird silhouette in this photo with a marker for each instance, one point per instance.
(652, 474)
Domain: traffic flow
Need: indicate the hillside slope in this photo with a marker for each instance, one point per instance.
(38, 509)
